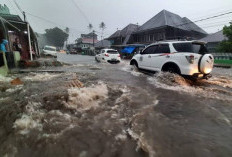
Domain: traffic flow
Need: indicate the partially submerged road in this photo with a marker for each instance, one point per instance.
(100, 109)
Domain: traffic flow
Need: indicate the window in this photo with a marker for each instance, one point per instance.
(190, 47)
(149, 50)
(163, 48)
(112, 52)
(49, 48)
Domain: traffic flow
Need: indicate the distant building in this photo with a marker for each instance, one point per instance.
(124, 36)
(86, 41)
(163, 26)
(103, 44)
(167, 26)
(213, 40)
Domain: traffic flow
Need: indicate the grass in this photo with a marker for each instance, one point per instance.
(223, 62)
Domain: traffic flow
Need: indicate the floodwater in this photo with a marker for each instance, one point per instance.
(91, 109)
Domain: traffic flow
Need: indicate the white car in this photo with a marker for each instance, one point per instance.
(108, 55)
(50, 50)
(188, 58)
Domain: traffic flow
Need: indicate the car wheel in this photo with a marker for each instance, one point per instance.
(135, 65)
(172, 68)
(96, 59)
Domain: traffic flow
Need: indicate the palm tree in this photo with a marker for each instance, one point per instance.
(67, 30)
(90, 27)
(102, 27)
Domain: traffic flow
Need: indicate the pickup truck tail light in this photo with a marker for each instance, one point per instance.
(107, 55)
(190, 59)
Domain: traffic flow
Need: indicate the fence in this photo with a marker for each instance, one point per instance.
(222, 56)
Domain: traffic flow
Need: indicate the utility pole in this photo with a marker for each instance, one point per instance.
(93, 42)
(93, 37)
(24, 16)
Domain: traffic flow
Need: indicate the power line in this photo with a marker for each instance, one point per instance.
(212, 14)
(78, 8)
(205, 19)
(17, 5)
(13, 7)
(52, 22)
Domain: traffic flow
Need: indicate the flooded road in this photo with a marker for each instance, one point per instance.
(94, 109)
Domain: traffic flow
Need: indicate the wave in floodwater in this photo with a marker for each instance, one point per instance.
(40, 76)
(216, 87)
(87, 97)
(134, 71)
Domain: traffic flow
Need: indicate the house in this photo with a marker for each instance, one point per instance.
(167, 26)
(103, 44)
(12, 27)
(86, 41)
(213, 40)
(123, 37)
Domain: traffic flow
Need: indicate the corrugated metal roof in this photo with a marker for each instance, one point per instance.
(128, 30)
(166, 18)
(216, 37)
(11, 17)
(116, 34)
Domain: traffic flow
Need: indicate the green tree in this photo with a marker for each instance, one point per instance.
(102, 26)
(226, 46)
(56, 36)
(90, 27)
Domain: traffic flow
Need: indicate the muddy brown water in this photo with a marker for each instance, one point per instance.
(118, 112)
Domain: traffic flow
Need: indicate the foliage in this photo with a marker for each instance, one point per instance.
(227, 31)
(226, 46)
(56, 36)
(90, 27)
(102, 26)
(67, 30)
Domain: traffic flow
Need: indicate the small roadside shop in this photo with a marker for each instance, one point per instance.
(12, 27)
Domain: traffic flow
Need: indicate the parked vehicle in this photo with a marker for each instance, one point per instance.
(188, 58)
(50, 51)
(108, 55)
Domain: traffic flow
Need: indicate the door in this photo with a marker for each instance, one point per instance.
(160, 56)
(145, 57)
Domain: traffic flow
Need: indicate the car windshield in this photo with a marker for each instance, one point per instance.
(50, 49)
(190, 47)
(112, 52)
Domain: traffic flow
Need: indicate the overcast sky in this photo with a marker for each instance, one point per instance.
(117, 13)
